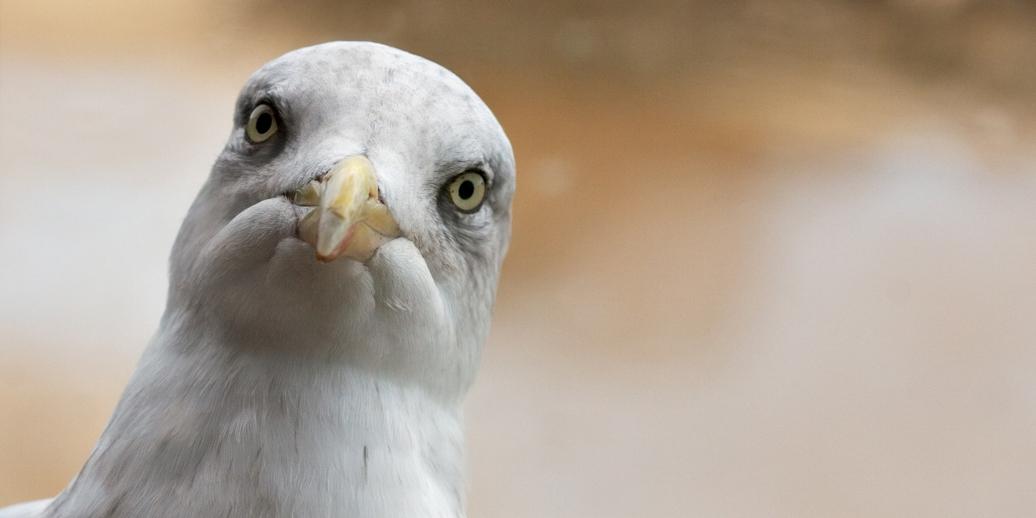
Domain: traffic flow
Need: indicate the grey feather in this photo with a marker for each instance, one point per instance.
(280, 386)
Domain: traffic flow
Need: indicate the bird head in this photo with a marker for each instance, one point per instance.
(360, 212)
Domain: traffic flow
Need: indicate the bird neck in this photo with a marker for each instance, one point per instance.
(214, 428)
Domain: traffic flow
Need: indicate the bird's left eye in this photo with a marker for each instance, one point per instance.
(262, 124)
(467, 190)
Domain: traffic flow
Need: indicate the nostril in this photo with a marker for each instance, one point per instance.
(308, 195)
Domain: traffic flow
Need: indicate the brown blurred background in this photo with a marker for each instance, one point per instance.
(770, 258)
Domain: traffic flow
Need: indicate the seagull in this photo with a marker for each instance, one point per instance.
(330, 291)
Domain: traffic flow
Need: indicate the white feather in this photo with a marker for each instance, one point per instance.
(280, 386)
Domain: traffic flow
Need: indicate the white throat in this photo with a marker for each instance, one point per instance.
(218, 429)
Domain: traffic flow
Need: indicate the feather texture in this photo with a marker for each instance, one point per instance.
(280, 386)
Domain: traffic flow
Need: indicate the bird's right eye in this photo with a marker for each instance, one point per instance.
(262, 124)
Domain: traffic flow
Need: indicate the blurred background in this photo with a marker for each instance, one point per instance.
(770, 258)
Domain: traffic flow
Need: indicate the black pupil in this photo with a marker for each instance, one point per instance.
(466, 189)
(263, 123)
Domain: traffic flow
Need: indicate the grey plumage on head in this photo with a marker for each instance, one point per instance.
(282, 385)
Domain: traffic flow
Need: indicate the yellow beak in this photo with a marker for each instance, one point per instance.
(348, 218)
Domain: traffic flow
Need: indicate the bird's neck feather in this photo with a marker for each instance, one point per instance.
(208, 428)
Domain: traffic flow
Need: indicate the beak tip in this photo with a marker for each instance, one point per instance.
(346, 205)
(324, 255)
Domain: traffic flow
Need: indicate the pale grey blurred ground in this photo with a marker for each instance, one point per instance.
(770, 258)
